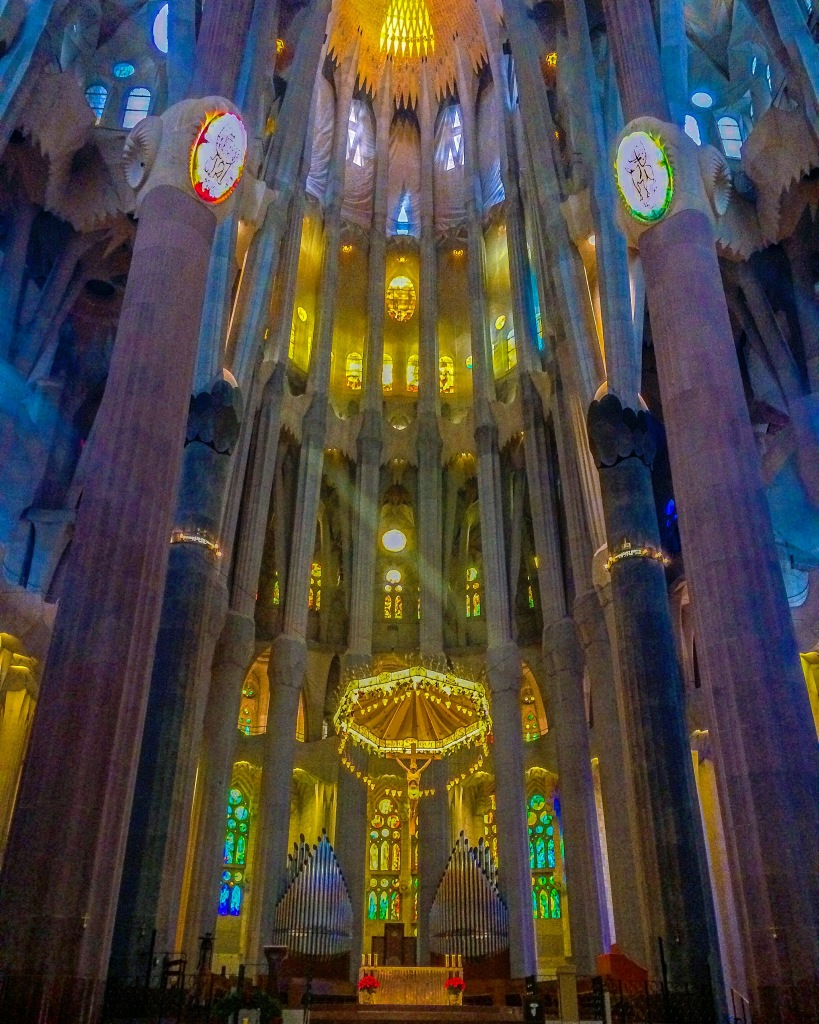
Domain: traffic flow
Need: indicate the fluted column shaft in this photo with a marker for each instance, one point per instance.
(502, 655)
(368, 465)
(96, 681)
(430, 486)
(234, 653)
(288, 656)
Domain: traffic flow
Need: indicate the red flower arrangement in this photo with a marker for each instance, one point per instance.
(369, 983)
(454, 985)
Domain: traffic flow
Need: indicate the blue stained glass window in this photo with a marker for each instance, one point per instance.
(96, 97)
(542, 858)
(550, 853)
(123, 69)
(224, 899)
(236, 901)
(137, 104)
(231, 887)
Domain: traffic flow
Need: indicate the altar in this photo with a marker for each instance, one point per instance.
(409, 986)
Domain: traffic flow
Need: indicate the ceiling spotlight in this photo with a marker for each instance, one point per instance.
(704, 100)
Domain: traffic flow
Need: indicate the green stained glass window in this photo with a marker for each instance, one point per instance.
(234, 855)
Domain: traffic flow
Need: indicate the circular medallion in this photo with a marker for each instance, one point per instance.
(644, 176)
(218, 156)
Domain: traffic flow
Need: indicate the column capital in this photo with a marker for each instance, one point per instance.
(659, 172)
(617, 433)
(197, 146)
(288, 659)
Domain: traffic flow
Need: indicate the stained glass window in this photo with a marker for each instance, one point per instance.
(96, 96)
(393, 595)
(531, 730)
(384, 859)
(354, 371)
(452, 154)
(446, 375)
(355, 131)
(401, 298)
(137, 104)
(473, 593)
(231, 887)
(412, 374)
(314, 593)
(490, 828)
(402, 221)
(731, 136)
(407, 30)
(160, 30)
(386, 374)
(542, 859)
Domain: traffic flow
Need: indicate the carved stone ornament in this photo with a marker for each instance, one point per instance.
(660, 171)
(166, 150)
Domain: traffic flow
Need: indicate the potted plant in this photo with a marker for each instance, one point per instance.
(269, 1008)
(367, 986)
(455, 989)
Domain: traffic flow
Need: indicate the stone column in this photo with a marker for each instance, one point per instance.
(623, 450)
(434, 848)
(350, 845)
(368, 465)
(761, 715)
(191, 615)
(289, 653)
(96, 681)
(428, 443)
(234, 653)
(562, 654)
(503, 667)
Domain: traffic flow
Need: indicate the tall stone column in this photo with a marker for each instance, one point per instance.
(289, 653)
(623, 450)
(503, 666)
(434, 848)
(562, 655)
(234, 653)
(368, 465)
(97, 677)
(193, 605)
(350, 845)
(743, 626)
(430, 497)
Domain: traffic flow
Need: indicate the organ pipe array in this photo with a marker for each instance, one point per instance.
(468, 915)
(314, 917)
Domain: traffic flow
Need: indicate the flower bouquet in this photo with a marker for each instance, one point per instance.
(454, 989)
(367, 986)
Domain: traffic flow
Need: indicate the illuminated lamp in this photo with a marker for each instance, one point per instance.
(551, 59)
(280, 46)
(644, 176)
(394, 540)
(346, 248)
(703, 100)
(457, 252)
(218, 154)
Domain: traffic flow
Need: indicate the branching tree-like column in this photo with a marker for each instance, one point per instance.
(59, 898)
(763, 731)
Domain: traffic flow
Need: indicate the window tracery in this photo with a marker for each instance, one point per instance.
(473, 593)
(96, 97)
(231, 890)
(446, 375)
(384, 862)
(386, 374)
(137, 105)
(730, 135)
(412, 374)
(393, 595)
(354, 371)
(546, 903)
(314, 593)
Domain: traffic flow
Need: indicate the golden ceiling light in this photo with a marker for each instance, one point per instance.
(407, 29)
(346, 248)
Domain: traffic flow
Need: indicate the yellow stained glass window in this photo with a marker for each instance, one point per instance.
(386, 374)
(401, 298)
(446, 374)
(353, 371)
(314, 593)
(412, 374)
